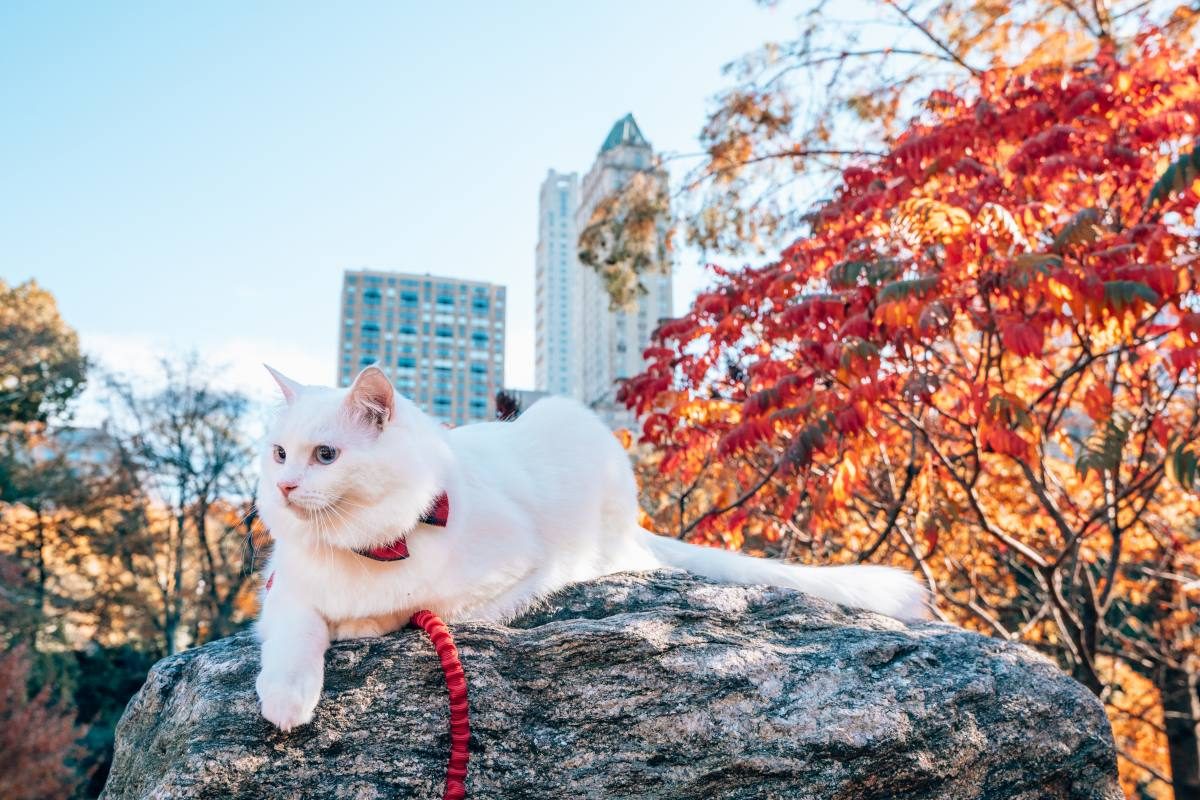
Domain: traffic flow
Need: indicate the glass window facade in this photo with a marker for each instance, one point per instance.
(440, 340)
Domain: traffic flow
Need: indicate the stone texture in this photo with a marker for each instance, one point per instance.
(639, 685)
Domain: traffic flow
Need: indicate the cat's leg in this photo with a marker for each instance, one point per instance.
(294, 640)
(366, 627)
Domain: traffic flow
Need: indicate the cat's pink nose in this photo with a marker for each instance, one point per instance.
(285, 487)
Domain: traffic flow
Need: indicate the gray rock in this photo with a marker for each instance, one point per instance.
(639, 685)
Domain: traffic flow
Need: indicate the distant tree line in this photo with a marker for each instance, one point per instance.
(119, 543)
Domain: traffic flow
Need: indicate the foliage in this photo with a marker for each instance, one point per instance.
(19, 616)
(41, 367)
(105, 679)
(626, 237)
(981, 363)
(802, 108)
(508, 406)
(37, 738)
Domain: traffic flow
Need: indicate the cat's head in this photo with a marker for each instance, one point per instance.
(352, 468)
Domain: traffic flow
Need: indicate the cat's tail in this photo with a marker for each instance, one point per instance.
(875, 588)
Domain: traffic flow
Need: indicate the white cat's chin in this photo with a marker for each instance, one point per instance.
(308, 510)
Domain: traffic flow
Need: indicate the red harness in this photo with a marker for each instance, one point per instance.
(443, 645)
(437, 516)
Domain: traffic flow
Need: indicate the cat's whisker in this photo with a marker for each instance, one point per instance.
(252, 511)
(347, 521)
(330, 555)
(342, 501)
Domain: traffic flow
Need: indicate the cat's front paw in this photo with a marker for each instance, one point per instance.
(288, 701)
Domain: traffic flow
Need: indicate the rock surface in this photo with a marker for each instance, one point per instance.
(638, 685)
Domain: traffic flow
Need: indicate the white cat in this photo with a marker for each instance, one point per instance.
(491, 517)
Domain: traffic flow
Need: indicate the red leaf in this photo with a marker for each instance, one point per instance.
(1022, 339)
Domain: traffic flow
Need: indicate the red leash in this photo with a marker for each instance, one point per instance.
(456, 685)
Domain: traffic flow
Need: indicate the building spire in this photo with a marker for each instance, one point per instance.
(624, 132)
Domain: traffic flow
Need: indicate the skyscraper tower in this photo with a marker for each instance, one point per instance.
(611, 342)
(558, 285)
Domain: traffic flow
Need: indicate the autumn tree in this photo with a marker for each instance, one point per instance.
(134, 538)
(843, 88)
(60, 497)
(186, 444)
(37, 736)
(980, 362)
(41, 368)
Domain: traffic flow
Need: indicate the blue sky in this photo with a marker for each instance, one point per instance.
(198, 176)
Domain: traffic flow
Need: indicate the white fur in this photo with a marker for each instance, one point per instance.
(535, 504)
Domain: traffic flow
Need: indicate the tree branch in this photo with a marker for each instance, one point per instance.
(938, 43)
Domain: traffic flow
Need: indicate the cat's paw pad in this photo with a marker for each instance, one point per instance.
(288, 702)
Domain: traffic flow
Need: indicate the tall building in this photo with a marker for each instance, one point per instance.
(440, 340)
(558, 285)
(611, 342)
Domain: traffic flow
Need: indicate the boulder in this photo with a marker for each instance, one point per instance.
(655, 685)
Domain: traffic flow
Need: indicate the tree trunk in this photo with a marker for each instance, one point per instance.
(1181, 714)
(217, 625)
(41, 577)
(176, 612)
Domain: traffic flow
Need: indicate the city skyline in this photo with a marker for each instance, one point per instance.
(214, 204)
(440, 340)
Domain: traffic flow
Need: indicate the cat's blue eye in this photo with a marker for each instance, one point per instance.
(324, 454)
(279, 453)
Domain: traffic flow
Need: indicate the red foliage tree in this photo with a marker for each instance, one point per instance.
(981, 363)
(37, 737)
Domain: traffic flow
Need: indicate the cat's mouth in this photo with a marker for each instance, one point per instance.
(312, 509)
(303, 508)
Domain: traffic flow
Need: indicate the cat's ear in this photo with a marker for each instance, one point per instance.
(286, 385)
(371, 397)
